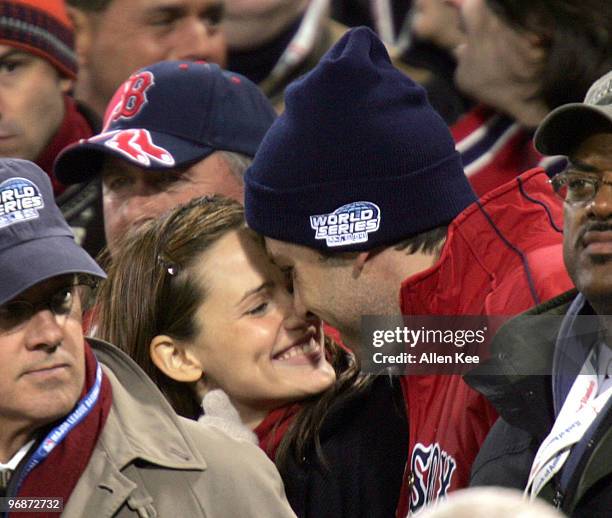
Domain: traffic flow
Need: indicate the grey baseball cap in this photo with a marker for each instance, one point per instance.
(567, 126)
(36, 243)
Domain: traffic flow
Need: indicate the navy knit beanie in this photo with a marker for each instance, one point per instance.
(358, 159)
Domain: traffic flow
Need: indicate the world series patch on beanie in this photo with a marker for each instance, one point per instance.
(358, 159)
(40, 27)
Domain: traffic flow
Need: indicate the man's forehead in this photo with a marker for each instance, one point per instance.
(284, 253)
(596, 147)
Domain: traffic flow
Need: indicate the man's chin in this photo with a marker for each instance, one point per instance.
(599, 294)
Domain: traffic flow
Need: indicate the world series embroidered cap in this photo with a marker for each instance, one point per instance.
(172, 114)
(358, 159)
(36, 243)
(567, 126)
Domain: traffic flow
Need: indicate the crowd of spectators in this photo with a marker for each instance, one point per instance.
(205, 203)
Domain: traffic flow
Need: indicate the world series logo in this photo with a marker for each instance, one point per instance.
(347, 225)
(20, 200)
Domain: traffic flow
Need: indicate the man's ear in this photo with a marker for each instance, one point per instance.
(66, 85)
(359, 263)
(174, 360)
(83, 23)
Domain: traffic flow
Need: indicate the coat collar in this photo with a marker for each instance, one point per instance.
(517, 377)
(139, 410)
(483, 244)
(141, 428)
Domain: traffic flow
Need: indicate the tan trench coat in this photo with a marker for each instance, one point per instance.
(150, 462)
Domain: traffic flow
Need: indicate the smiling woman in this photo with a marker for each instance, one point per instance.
(194, 299)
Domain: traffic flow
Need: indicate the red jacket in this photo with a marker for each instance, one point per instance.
(502, 256)
(75, 126)
(495, 148)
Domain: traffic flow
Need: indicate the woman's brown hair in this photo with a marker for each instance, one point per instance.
(150, 292)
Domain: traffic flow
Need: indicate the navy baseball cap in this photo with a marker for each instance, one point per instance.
(36, 243)
(169, 115)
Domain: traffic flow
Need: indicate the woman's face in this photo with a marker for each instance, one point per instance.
(250, 342)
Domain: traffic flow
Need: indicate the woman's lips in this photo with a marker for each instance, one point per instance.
(302, 352)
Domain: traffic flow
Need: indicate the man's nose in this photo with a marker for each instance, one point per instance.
(601, 204)
(138, 210)
(197, 40)
(43, 330)
(299, 307)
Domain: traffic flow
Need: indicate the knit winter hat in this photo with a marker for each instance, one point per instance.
(358, 159)
(40, 27)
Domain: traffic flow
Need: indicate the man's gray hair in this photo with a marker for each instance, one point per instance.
(237, 163)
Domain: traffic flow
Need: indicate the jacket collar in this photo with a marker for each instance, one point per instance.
(517, 377)
(139, 410)
(482, 245)
(578, 334)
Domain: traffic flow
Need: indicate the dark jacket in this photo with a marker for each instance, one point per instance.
(257, 64)
(517, 381)
(364, 441)
(81, 204)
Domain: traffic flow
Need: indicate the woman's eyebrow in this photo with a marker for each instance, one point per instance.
(261, 287)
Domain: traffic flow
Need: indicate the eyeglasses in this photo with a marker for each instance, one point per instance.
(15, 315)
(576, 187)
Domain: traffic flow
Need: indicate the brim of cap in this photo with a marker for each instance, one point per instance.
(567, 126)
(83, 161)
(28, 263)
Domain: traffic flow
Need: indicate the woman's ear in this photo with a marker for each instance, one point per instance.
(175, 361)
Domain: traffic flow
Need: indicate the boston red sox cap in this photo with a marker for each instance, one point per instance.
(36, 243)
(169, 115)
